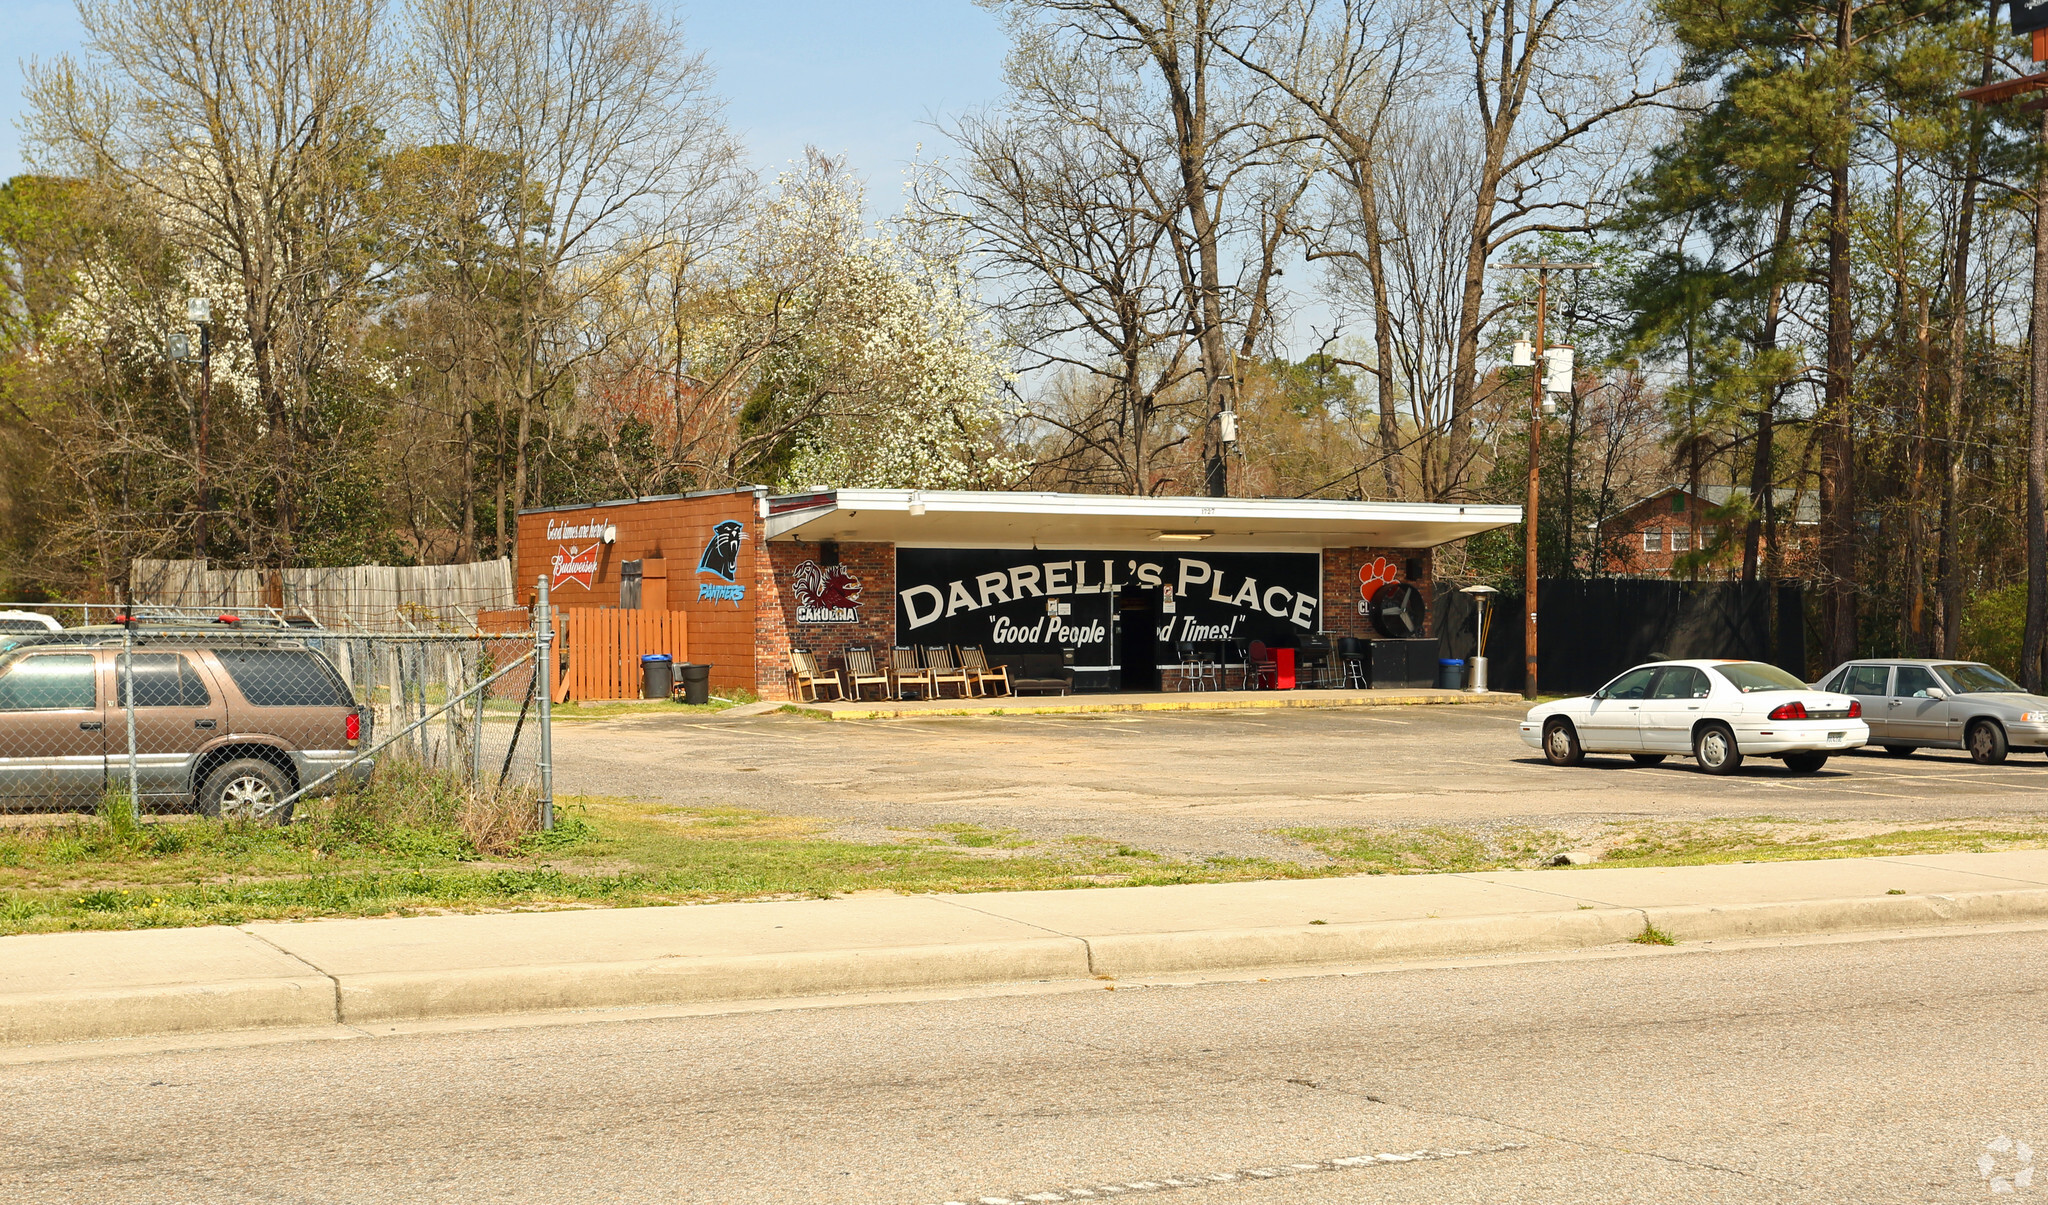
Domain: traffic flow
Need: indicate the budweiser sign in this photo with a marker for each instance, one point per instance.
(577, 565)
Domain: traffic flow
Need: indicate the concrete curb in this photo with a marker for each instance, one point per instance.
(427, 995)
(1378, 941)
(1725, 922)
(1398, 940)
(370, 997)
(37, 1018)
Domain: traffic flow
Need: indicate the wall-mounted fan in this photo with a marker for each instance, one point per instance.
(1397, 610)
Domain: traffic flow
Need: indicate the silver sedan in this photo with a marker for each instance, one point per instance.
(1916, 704)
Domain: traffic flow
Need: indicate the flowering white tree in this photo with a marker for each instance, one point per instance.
(818, 350)
(899, 323)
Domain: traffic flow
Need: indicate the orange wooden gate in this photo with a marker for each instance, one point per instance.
(603, 647)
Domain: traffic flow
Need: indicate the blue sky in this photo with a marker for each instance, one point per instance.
(854, 79)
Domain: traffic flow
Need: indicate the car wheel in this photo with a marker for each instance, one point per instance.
(1561, 744)
(1805, 763)
(1901, 750)
(1647, 759)
(1713, 747)
(247, 789)
(1986, 743)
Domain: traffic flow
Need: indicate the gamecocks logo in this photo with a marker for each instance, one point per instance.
(822, 587)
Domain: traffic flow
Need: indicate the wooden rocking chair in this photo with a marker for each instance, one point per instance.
(938, 660)
(861, 671)
(974, 660)
(803, 666)
(903, 663)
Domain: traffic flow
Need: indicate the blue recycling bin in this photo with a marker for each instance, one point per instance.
(1450, 673)
(657, 676)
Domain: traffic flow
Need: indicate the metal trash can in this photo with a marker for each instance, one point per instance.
(657, 672)
(1450, 673)
(696, 679)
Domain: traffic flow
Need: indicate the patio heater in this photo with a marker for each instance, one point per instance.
(1476, 682)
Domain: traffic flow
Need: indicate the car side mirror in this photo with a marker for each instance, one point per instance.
(1601, 693)
(1936, 693)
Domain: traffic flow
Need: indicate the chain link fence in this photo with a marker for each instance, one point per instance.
(243, 717)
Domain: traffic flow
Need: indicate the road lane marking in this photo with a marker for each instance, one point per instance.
(1096, 1192)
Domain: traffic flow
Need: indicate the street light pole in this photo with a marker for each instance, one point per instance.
(200, 311)
(1542, 268)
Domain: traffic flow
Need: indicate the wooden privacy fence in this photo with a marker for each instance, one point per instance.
(353, 598)
(602, 646)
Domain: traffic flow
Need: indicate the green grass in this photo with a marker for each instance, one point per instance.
(1771, 839)
(82, 875)
(1429, 850)
(1660, 843)
(413, 844)
(1653, 936)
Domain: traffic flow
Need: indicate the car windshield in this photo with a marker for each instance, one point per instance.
(1977, 680)
(1752, 677)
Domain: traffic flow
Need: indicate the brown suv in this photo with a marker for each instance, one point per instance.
(232, 728)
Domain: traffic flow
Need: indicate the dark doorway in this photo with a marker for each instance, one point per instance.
(1138, 638)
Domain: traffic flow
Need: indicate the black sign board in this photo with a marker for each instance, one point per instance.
(1038, 601)
(2029, 15)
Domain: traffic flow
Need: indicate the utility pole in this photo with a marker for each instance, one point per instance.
(1537, 383)
(2033, 20)
(199, 310)
(1217, 476)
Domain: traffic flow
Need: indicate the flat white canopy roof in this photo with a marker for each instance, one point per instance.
(959, 518)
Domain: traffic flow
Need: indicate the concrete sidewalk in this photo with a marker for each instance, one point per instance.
(87, 986)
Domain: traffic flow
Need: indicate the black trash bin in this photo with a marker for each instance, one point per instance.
(1450, 673)
(657, 672)
(696, 681)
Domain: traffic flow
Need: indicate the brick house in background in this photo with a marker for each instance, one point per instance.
(1649, 535)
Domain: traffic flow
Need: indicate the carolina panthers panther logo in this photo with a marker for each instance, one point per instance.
(722, 554)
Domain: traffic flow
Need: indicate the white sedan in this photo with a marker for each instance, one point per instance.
(1718, 711)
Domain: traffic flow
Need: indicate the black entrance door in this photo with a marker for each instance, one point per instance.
(1138, 639)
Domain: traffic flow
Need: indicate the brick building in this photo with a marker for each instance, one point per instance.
(1119, 582)
(1647, 537)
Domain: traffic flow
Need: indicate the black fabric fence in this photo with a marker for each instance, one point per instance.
(1589, 630)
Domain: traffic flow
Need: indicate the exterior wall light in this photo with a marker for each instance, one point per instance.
(611, 534)
(1181, 537)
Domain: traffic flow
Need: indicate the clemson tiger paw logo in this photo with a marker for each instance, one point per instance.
(1379, 573)
(2006, 1165)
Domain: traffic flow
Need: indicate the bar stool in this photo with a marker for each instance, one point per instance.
(1197, 672)
(1352, 653)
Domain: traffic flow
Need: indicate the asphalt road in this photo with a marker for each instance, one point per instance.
(1205, 783)
(1827, 1072)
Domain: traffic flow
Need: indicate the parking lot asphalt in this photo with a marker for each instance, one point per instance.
(1210, 783)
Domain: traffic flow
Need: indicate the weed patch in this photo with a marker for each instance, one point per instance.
(1427, 850)
(1773, 839)
(368, 858)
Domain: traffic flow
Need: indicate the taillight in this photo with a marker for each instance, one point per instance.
(352, 727)
(1855, 709)
(1790, 711)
